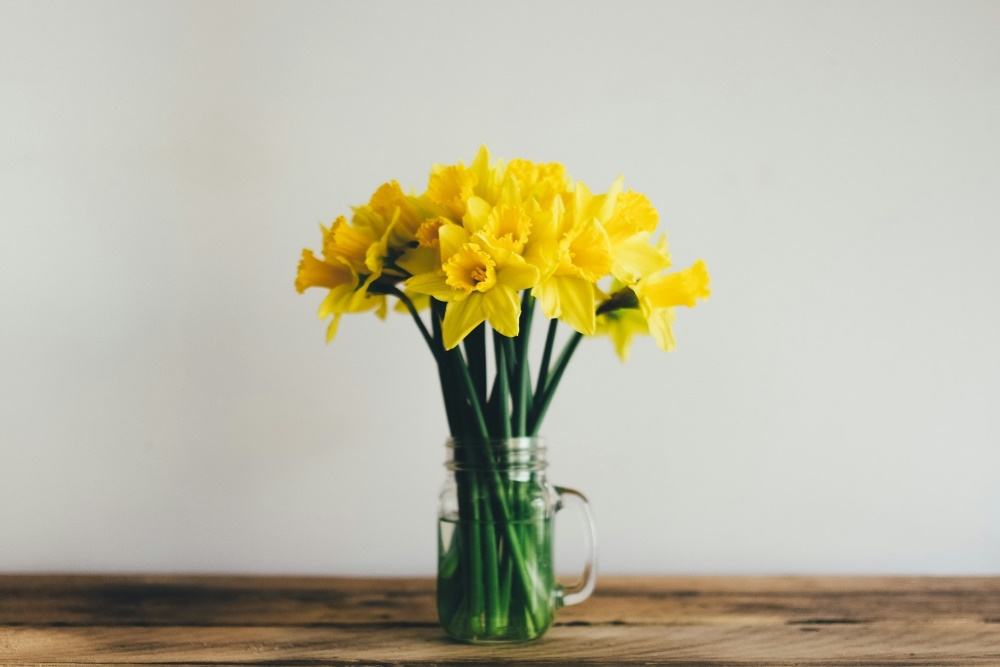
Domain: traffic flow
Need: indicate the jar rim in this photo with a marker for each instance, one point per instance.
(516, 443)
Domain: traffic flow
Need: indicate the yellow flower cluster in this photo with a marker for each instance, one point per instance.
(482, 233)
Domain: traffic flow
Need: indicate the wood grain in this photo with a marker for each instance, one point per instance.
(830, 621)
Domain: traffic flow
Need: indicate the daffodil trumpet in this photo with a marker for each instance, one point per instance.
(482, 248)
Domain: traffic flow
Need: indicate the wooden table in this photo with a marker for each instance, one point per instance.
(702, 621)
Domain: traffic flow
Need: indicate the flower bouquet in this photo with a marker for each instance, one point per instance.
(483, 248)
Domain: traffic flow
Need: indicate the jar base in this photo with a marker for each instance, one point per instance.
(486, 641)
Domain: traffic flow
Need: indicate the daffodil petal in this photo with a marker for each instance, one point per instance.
(316, 273)
(547, 294)
(510, 192)
(659, 328)
(610, 200)
(433, 284)
(517, 275)
(621, 326)
(418, 261)
(339, 300)
(461, 318)
(477, 212)
(544, 256)
(488, 176)
(502, 308)
(676, 289)
(481, 162)
(382, 309)
(331, 330)
(451, 238)
(589, 250)
(636, 258)
(576, 301)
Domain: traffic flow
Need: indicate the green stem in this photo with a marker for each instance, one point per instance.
(524, 372)
(450, 409)
(484, 548)
(488, 528)
(506, 579)
(543, 370)
(469, 509)
(493, 406)
(475, 352)
(500, 495)
(458, 362)
(553, 384)
(476, 567)
(500, 347)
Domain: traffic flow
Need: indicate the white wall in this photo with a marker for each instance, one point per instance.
(166, 400)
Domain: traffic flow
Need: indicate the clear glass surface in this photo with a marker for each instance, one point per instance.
(496, 580)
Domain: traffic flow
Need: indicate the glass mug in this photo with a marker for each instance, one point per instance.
(496, 582)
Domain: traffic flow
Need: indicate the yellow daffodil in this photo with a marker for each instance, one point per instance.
(332, 274)
(648, 307)
(630, 229)
(489, 175)
(507, 220)
(355, 255)
(542, 182)
(399, 213)
(507, 224)
(621, 326)
(336, 274)
(480, 282)
(582, 251)
(658, 295)
(425, 256)
(480, 234)
(450, 187)
(682, 288)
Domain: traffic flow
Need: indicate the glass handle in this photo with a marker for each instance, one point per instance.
(582, 589)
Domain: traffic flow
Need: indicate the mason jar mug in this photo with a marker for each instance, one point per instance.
(496, 582)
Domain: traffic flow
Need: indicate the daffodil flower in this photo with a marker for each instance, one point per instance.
(480, 282)
(630, 230)
(480, 234)
(658, 295)
(541, 182)
(648, 307)
(336, 275)
(451, 186)
(355, 255)
(425, 256)
(582, 252)
(621, 326)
